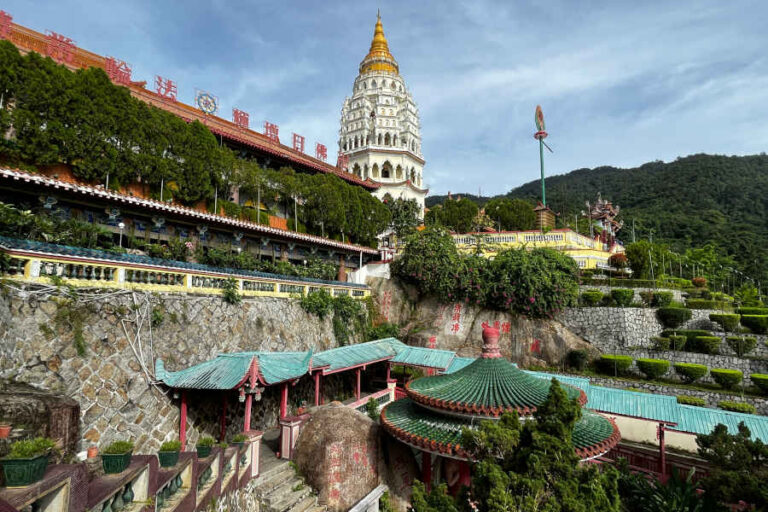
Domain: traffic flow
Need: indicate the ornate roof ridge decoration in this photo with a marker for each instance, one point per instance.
(18, 175)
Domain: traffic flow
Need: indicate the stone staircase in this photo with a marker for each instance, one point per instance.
(280, 489)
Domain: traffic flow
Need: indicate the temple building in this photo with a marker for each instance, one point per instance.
(603, 216)
(438, 407)
(380, 138)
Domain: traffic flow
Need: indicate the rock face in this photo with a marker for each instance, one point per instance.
(337, 452)
(459, 326)
(400, 470)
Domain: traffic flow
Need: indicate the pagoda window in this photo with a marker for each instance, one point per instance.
(386, 170)
(386, 140)
(375, 170)
(379, 141)
(356, 170)
(373, 84)
(399, 173)
(394, 140)
(413, 175)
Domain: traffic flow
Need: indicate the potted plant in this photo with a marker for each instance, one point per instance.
(239, 440)
(116, 457)
(27, 460)
(5, 429)
(204, 446)
(169, 453)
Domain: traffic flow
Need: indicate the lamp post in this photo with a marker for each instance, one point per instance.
(122, 227)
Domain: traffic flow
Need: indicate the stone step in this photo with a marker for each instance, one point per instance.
(305, 504)
(279, 492)
(289, 500)
(318, 508)
(274, 480)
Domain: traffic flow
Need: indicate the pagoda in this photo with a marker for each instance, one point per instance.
(437, 408)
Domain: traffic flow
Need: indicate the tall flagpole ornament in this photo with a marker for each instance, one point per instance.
(540, 126)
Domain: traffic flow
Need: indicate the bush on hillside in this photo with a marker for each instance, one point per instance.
(591, 297)
(728, 321)
(691, 400)
(761, 381)
(728, 379)
(652, 368)
(752, 311)
(708, 304)
(729, 405)
(661, 344)
(647, 297)
(622, 297)
(690, 334)
(758, 324)
(673, 317)
(661, 299)
(577, 359)
(613, 364)
(429, 261)
(677, 342)
(690, 372)
(741, 345)
(705, 344)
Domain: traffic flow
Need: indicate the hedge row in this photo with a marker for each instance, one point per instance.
(758, 324)
(741, 345)
(752, 311)
(730, 405)
(690, 372)
(728, 321)
(728, 379)
(761, 381)
(652, 368)
(614, 364)
(673, 317)
(691, 400)
(620, 297)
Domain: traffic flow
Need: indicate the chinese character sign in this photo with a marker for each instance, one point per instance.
(455, 324)
(321, 152)
(536, 346)
(385, 301)
(342, 162)
(5, 25)
(165, 87)
(271, 130)
(118, 71)
(298, 142)
(60, 48)
(240, 118)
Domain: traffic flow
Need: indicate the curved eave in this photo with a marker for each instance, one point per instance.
(408, 183)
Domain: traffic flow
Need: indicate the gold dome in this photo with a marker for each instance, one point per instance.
(379, 58)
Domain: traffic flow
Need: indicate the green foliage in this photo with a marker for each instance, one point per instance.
(705, 344)
(690, 372)
(429, 261)
(70, 315)
(691, 400)
(118, 448)
(729, 322)
(437, 500)
(729, 405)
(404, 214)
(639, 256)
(591, 297)
(318, 303)
(643, 494)
(239, 438)
(458, 216)
(622, 296)
(748, 296)
(690, 334)
(652, 368)
(511, 214)
(660, 343)
(577, 359)
(661, 299)
(385, 503)
(761, 381)
(372, 409)
(673, 317)
(758, 324)
(31, 448)
(171, 446)
(206, 441)
(346, 311)
(738, 466)
(677, 342)
(385, 330)
(230, 291)
(613, 364)
(707, 304)
(158, 317)
(728, 379)
(742, 345)
(752, 311)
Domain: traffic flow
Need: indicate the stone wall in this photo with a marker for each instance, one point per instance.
(113, 379)
(676, 294)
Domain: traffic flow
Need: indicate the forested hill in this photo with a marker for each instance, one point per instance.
(687, 203)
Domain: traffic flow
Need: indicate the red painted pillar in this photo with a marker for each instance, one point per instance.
(223, 421)
(464, 474)
(183, 421)
(389, 367)
(248, 405)
(317, 389)
(357, 386)
(662, 454)
(426, 469)
(284, 401)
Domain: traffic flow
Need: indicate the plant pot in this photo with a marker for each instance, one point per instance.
(204, 451)
(168, 459)
(21, 472)
(115, 462)
(5, 430)
(93, 452)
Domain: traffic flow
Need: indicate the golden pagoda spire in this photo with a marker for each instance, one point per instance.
(379, 58)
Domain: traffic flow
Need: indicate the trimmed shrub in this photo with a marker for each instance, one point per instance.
(673, 317)
(705, 304)
(591, 297)
(699, 282)
(728, 379)
(728, 321)
(752, 311)
(761, 381)
(660, 343)
(622, 296)
(758, 324)
(741, 345)
(705, 344)
(577, 359)
(677, 342)
(652, 368)
(690, 334)
(614, 365)
(661, 299)
(691, 400)
(690, 372)
(647, 297)
(730, 405)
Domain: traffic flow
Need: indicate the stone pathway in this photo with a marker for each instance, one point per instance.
(280, 489)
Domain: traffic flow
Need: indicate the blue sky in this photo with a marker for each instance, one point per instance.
(621, 83)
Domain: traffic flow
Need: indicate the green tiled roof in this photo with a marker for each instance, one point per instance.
(354, 355)
(442, 433)
(487, 387)
(427, 357)
(701, 420)
(631, 403)
(458, 363)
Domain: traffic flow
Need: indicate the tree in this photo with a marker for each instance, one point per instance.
(457, 216)
(638, 254)
(531, 465)
(511, 214)
(404, 214)
(430, 261)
